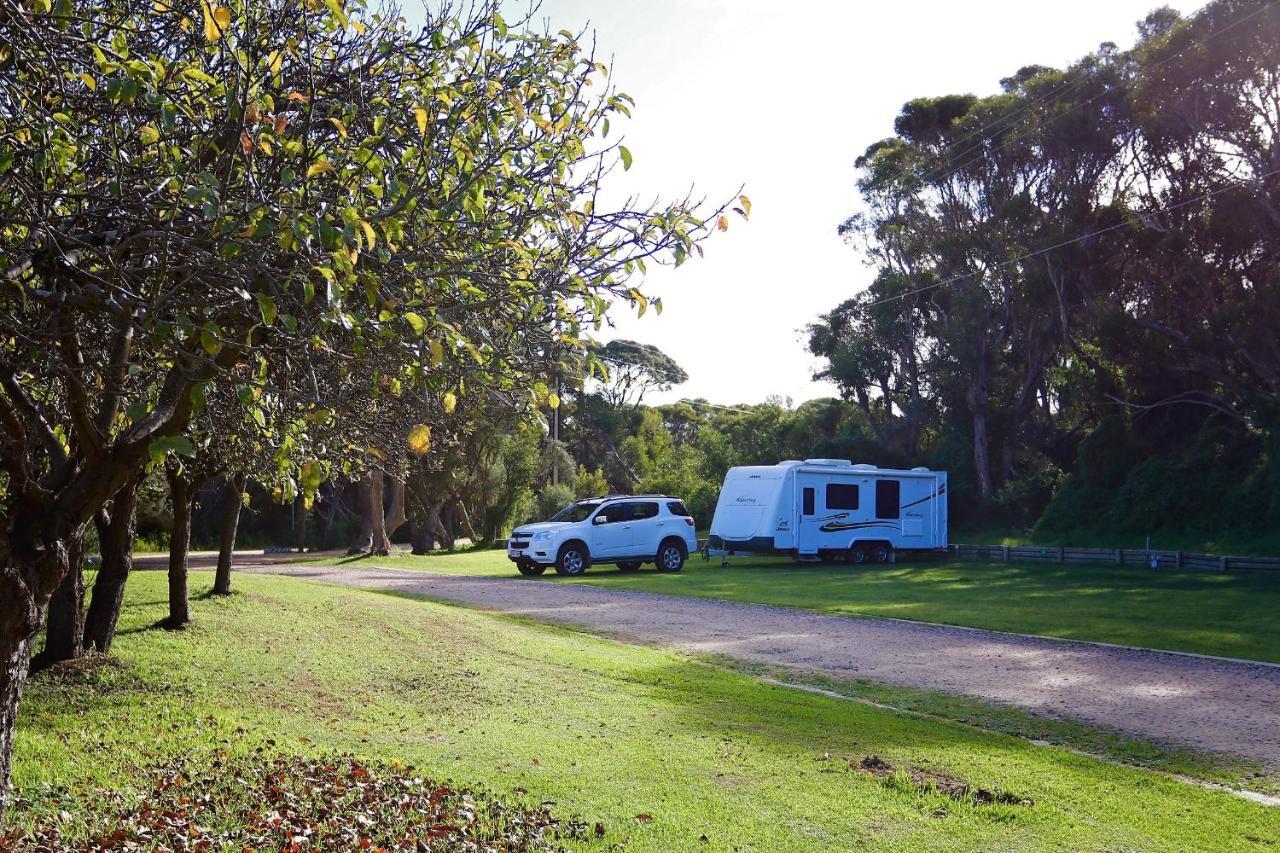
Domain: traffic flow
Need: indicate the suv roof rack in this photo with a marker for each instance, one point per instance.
(622, 497)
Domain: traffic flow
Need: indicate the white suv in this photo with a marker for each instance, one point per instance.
(626, 530)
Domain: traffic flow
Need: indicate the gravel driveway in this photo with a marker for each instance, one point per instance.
(1211, 705)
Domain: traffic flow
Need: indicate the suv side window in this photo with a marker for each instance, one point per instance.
(678, 508)
(642, 510)
(613, 513)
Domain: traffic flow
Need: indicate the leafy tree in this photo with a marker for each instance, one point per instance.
(196, 197)
(633, 370)
(1084, 246)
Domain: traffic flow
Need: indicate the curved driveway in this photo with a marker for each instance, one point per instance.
(1211, 705)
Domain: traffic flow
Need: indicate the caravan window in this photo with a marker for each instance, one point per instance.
(808, 501)
(887, 498)
(842, 496)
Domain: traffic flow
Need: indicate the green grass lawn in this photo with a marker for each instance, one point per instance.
(1232, 615)
(605, 730)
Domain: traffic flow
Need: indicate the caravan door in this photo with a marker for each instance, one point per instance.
(812, 512)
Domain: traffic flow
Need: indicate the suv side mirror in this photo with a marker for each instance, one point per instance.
(600, 519)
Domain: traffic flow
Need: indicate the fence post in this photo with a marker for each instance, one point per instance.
(1177, 559)
(1062, 554)
(1004, 553)
(1223, 563)
(1119, 558)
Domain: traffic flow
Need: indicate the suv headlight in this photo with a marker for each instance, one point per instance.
(542, 536)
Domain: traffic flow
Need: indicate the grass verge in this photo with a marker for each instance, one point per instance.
(661, 750)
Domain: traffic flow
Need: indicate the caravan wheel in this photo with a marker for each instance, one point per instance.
(857, 555)
(880, 552)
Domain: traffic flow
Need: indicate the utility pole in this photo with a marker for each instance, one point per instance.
(555, 431)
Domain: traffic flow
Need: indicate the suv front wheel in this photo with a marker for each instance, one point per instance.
(572, 560)
(528, 568)
(671, 556)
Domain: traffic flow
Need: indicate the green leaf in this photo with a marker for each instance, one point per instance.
(209, 338)
(417, 321)
(625, 154)
(267, 307)
(161, 447)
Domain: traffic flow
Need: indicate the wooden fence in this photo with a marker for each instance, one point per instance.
(1156, 557)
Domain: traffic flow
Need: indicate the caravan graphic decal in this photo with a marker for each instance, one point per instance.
(942, 490)
(835, 525)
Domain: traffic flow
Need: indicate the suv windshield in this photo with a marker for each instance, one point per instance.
(575, 512)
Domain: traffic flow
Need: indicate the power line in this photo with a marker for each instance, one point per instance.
(941, 173)
(716, 406)
(1203, 197)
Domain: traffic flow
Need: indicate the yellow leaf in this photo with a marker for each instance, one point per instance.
(370, 238)
(421, 115)
(216, 21)
(437, 353)
(449, 401)
(264, 146)
(89, 82)
(342, 128)
(275, 60)
(320, 166)
(553, 400)
(419, 440)
(149, 135)
(746, 206)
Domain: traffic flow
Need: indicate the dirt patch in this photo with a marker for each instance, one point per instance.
(932, 781)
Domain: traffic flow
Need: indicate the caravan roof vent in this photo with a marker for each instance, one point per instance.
(921, 468)
(835, 463)
(865, 467)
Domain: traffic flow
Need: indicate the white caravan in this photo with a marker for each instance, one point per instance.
(829, 509)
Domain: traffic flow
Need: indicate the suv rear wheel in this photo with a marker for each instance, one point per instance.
(671, 555)
(572, 560)
(629, 566)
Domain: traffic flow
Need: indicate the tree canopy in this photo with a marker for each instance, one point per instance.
(341, 225)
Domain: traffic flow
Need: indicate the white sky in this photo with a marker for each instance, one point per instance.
(781, 98)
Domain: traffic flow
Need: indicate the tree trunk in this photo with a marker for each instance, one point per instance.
(445, 533)
(64, 626)
(15, 655)
(982, 454)
(426, 528)
(423, 537)
(300, 523)
(395, 517)
(233, 494)
(330, 513)
(978, 402)
(465, 520)
(115, 539)
(30, 570)
(379, 543)
(371, 519)
(183, 495)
